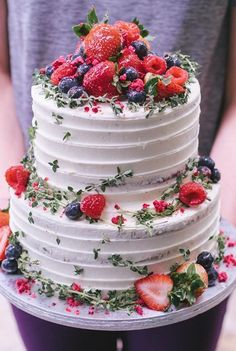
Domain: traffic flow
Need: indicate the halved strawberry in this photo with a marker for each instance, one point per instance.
(129, 31)
(166, 91)
(4, 234)
(93, 205)
(180, 76)
(4, 218)
(102, 42)
(154, 290)
(98, 80)
(200, 270)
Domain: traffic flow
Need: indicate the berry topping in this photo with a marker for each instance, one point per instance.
(67, 83)
(129, 31)
(160, 206)
(212, 276)
(140, 48)
(172, 60)
(205, 171)
(84, 68)
(73, 211)
(180, 76)
(9, 266)
(137, 85)
(165, 91)
(93, 205)
(130, 59)
(13, 251)
(215, 175)
(154, 64)
(65, 70)
(192, 194)
(222, 277)
(4, 218)
(76, 92)
(205, 259)
(137, 97)
(58, 62)
(17, 177)
(206, 161)
(154, 291)
(98, 80)
(102, 42)
(130, 73)
(4, 234)
(49, 71)
(198, 270)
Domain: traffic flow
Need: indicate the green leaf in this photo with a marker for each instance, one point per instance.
(143, 31)
(92, 17)
(191, 269)
(81, 29)
(151, 86)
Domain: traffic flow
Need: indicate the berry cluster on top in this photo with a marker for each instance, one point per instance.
(117, 61)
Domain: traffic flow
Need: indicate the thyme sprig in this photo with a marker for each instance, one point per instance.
(117, 261)
(221, 246)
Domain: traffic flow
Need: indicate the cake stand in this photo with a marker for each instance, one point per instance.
(57, 311)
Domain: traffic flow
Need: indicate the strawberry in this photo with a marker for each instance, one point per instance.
(154, 64)
(180, 76)
(66, 69)
(130, 59)
(98, 80)
(58, 62)
(166, 91)
(154, 290)
(200, 271)
(192, 194)
(129, 31)
(17, 177)
(93, 205)
(4, 218)
(102, 42)
(4, 234)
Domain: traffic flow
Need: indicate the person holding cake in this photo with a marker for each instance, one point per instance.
(118, 60)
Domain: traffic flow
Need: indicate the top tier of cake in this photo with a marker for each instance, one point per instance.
(88, 146)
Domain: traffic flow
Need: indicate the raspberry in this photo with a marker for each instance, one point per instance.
(129, 31)
(130, 59)
(102, 42)
(192, 194)
(93, 205)
(137, 85)
(17, 177)
(58, 62)
(222, 277)
(98, 80)
(180, 76)
(154, 64)
(160, 206)
(67, 69)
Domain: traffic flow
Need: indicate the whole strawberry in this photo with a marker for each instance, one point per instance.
(93, 205)
(98, 80)
(192, 194)
(64, 70)
(17, 177)
(129, 31)
(102, 42)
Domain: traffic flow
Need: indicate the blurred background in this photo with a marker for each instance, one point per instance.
(10, 338)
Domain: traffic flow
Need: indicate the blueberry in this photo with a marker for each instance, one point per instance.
(138, 97)
(205, 259)
(140, 48)
(49, 71)
(206, 161)
(81, 51)
(73, 211)
(205, 171)
(215, 175)
(9, 265)
(67, 83)
(84, 68)
(212, 276)
(130, 72)
(75, 92)
(172, 60)
(13, 251)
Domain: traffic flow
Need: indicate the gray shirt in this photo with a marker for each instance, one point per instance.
(40, 31)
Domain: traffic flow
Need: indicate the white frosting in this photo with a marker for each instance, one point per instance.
(155, 149)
